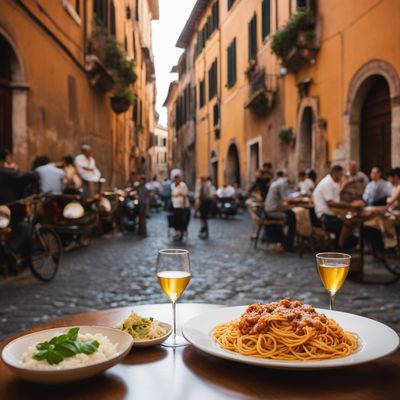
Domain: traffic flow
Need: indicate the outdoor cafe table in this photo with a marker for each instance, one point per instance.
(188, 374)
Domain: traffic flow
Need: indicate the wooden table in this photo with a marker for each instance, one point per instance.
(187, 374)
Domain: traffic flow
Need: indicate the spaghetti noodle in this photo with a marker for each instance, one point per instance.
(285, 330)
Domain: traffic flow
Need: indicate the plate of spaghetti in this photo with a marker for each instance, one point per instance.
(290, 334)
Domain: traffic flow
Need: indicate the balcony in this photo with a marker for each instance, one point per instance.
(97, 74)
(262, 91)
(297, 43)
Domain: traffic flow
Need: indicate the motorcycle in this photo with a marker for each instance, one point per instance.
(226, 207)
(41, 250)
(129, 210)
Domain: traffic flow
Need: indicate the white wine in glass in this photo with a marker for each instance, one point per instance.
(173, 274)
(333, 269)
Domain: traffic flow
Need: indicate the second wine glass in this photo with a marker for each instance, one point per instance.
(173, 274)
(333, 269)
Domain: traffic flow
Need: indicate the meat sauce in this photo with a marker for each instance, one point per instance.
(255, 319)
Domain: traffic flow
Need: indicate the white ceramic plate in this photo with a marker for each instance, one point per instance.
(14, 350)
(376, 339)
(154, 342)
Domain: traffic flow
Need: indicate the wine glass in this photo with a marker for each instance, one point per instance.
(173, 274)
(333, 269)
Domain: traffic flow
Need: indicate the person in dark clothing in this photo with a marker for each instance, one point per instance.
(14, 186)
(205, 198)
(260, 183)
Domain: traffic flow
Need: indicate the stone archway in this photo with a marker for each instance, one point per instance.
(311, 142)
(232, 168)
(359, 89)
(16, 139)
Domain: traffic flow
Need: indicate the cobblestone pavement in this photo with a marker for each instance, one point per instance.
(120, 271)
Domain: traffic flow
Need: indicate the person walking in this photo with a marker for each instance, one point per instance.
(205, 201)
(180, 204)
(144, 198)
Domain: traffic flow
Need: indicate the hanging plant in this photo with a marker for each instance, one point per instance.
(286, 136)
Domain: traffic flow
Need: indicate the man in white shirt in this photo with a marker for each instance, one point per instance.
(226, 191)
(305, 185)
(51, 178)
(326, 195)
(180, 204)
(86, 168)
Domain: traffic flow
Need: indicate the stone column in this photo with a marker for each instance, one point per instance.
(396, 131)
(20, 125)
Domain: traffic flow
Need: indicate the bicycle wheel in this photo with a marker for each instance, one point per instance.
(46, 254)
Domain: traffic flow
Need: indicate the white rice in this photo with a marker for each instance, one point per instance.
(105, 350)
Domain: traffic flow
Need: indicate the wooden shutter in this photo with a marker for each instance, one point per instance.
(266, 18)
(252, 36)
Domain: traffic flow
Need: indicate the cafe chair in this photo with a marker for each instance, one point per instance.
(260, 221)
(309, 236)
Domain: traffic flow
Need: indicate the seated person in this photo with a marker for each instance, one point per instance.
(327, 194)
(51, 178)
(354, 184)
(305, 185)
(373, 229)
(227, 191)
(378, 190)
(274, 208)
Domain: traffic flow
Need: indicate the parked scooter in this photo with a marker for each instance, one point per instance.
(226, 207)
(129, 210)
(72, 219)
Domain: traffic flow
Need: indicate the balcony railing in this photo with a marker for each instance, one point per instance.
(262, 91)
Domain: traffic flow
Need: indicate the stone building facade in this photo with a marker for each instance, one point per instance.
(299, 83)
(57, 89)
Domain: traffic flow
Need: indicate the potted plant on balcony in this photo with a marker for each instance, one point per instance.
(295, 43)
(121, 100)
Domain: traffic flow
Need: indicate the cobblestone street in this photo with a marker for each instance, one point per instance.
(120, 271)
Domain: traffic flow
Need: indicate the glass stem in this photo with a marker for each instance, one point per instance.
(331, 300)
(174, 319)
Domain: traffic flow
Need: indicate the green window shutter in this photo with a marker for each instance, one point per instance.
(266, 18)
(252, 36)
(212, 80)
(232, 63)
(216, 114)
(215, 15)
(230, 4)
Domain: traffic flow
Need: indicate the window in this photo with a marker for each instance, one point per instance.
(266, 18)
(253, 37)
(301, 4)
(216, 114)
(230, 4)
(215, 16)
(231, 63)
(213, 80)
(105, 14)
(202, 95)
(137, 10)
(72, 99)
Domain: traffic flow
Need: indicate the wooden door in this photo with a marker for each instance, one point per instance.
(375, 140)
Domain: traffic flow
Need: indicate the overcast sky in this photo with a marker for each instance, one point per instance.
(173, 16)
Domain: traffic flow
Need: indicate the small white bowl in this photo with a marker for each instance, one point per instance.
(14, 350)
(157, 341)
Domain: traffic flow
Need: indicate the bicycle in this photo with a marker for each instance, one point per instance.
(45, 253)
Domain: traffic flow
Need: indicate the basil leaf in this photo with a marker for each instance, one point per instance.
(88, 347)
(41, 355)
(73, 333)
(59, 339)
(43, 346)
(66, 349)
(53, 357)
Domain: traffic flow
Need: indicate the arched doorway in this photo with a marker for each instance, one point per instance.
(375, 126)
(5, 95)
(305, 146)
(13, 100)
(232, 171)
(372, 118)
